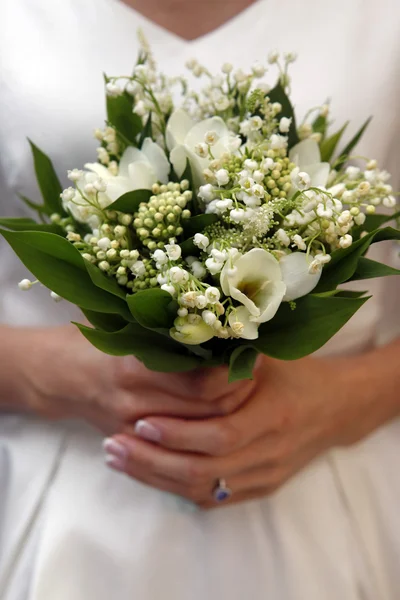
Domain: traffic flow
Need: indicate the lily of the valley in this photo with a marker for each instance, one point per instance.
(307, 158)
(184, 135)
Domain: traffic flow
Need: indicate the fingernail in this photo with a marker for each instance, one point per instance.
(147, 431)
(116, 454)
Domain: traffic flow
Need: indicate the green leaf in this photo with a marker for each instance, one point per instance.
(103, 281)
(344, 261)
(155, 351)
(105, 321)
(278, 94)
(150, 308)
(368, 269)
(47, 179)
(197, 224)
(188, 174)
(188, 248)
(293, 334)
(39, 208)
(373, 222)
(351, 145)
(22, 224)
(129, 202)
(328, 146)
(320, 125)
(147, 131)
(120, 115)
(60, 267)
(241, 363)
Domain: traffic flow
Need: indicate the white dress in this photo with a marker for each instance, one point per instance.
(71, 529)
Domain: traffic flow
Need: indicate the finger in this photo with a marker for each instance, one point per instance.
(217, 436)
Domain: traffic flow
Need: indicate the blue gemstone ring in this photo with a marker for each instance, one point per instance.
(221, 491)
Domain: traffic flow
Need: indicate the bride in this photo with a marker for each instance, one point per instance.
(308, 449)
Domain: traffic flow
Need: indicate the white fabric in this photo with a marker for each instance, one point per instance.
(69, 527)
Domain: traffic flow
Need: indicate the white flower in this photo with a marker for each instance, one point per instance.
(222, 177)
(212, 294)
(284, 124)
(298, 240)
(75, 174)
(138, 268)
(257, 284)
(183, 134)
(277, 142)
(201, 150)
(353, 172)
(306, 155)
(191, 330)
(178, 275)
(173, 250)
(283, 237)
(104, 244)
(214, 266)
(273, 57)
(169, 288)
(300, 179)
(258, 69)
(206, 192)
(323, 211)
(209, 317)
(160, 257)
(113, 89)
(345, 241)
(201, 301)
(198, 269)
(389, 201)
(237, 215)
(211, 138)
(201, 241)
(55, 297)
(296, 276)
(224, 205)
(25, 285)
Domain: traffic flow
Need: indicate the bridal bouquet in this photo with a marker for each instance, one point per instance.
(211, 228)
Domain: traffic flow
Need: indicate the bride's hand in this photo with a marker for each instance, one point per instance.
(57, 374)
(297, 411)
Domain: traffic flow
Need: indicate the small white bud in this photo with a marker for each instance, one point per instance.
(284, 124)
(104, 244)
(55, 297)
(169, 288)
(273, 57)
(173, 250)
(25, 285)
(201, 150)
(222, 177)
(208, 317)
(104, 265)
(211, 138)
(345, 241)
(182, 312)
(201, 241)
(212, 294)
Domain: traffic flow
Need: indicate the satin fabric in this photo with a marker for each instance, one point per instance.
(70, 527)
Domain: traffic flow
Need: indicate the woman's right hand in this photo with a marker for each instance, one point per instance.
(57, 374)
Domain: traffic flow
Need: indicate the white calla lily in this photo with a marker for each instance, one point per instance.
(299, 282)
(307, 156)
(256, 282)
(183, 135)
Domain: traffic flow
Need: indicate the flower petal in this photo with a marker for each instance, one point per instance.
(319, 173)
(276, 291)
(305, 153)
(119, 186)
(299, 282)
(198, 131)
(178, 158)
(100, 170)
(142, 176)
(130, 156)
(241, 314)
(157, 159)
(179, 124)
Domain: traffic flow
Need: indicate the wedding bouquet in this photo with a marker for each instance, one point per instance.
(213, 227)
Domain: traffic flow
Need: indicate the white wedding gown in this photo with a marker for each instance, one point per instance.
(71, 529)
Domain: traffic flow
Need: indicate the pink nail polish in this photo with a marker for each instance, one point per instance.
(116, 454)
(147, 431)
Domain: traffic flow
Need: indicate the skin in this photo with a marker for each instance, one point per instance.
(257, 434)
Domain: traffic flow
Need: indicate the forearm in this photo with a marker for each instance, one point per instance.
(12, 352)
(373, 378)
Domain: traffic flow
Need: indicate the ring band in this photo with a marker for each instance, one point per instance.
(221, 491)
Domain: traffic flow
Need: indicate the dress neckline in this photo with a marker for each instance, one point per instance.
(220, 29)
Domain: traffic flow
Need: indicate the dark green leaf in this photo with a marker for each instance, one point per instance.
(22, 224)
(39, 208)
(155, 351)
(349, 294)
(197, 224)
(328, 146)
(129, 202)
(344, 261)
(150, 308)
(120, 115)
(146, 131)
(105, 321)
(278, 94)
(241, 363)
(320, 125)
(188, 174)
(351, 145)
(188, 248)
(293, 334)
(59, 266)
(101, 280)
(368, 269)
(373, 222)
(47, 179)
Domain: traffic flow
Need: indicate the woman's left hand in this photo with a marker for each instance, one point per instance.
(297, 411)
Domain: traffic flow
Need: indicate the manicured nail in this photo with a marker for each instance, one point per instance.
(116, 454)
(147, 431)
